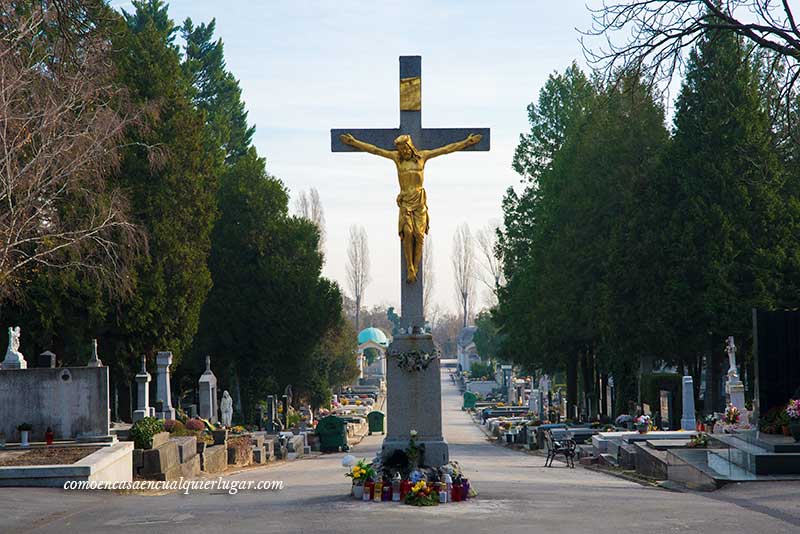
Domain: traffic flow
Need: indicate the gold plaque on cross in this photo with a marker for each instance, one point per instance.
(411, 94)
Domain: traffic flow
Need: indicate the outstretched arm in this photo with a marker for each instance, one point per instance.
(472, 139)
(366, 147)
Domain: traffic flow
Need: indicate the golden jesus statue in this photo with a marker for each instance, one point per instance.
(413, 220)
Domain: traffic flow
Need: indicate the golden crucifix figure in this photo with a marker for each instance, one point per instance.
(413, 221)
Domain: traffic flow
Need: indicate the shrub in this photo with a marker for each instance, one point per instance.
(241, 444)
(195, 424)
(173, 426)
(142, 431)
(481, 369)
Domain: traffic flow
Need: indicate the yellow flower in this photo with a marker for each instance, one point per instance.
(356, 469)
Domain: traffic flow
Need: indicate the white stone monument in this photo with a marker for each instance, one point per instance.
(688, 421)
(14, 358)
(226, 409)
(143, 408)
(208, 393)
(94, 361)
(734, 387)
(533, 402)
(163, 391)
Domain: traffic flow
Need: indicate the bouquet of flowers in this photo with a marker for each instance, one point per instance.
(793, 410)
(361, 472)
(422, 495)
(699, 441)
(732, 415)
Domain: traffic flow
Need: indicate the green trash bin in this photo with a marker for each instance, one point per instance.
(332, 432)
(375, 421)
(469, 400)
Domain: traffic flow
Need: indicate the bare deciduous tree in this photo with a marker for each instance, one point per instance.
(358, 266)
(60, 128)
(655, 34)
(491, 261)
(309, 206)
(464, 270)
(429, 274)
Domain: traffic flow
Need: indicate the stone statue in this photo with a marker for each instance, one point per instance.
(394, 319)
(13, 340)
(413, 220)
(14, 358)
(730, 348)
(226, 408)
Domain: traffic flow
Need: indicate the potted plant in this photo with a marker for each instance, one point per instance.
(793, 413)
(360, 473)
(24, 432)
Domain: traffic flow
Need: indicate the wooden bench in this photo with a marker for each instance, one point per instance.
(565, 446)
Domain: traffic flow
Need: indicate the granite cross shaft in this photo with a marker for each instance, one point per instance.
(411, 307)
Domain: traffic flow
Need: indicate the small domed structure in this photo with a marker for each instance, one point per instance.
(374, 335)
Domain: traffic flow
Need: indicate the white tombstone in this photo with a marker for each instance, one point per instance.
(163, 392)
(94, 361)
(14, 358)
(734, 387)
(143, 408)
(208, 393)
(226, 408)
(688, 421)
(533, 402)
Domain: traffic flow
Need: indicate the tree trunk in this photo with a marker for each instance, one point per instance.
(572, 384)
(358, 313)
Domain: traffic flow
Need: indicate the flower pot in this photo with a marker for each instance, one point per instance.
(24, 438)
(786, 431)
(49, 436)
(358, 491)
(642, 428)
(794, 428)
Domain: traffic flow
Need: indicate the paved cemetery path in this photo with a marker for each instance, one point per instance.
(517, 494)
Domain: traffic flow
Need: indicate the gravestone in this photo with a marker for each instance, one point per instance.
(665, 402)
(272, 425)
(688, 421)
(413, 372)
(46, 359)
(776, 344)
(534, 402)
(143, 408)
(163, 391)
(208, 393)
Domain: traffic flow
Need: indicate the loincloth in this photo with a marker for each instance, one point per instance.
(413, 213)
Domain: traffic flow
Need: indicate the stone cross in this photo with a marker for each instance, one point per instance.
(411, 298)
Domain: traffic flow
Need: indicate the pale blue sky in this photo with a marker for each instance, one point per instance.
(308, 66)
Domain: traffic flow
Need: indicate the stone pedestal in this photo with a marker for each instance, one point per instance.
(688, 421)
(208, 393)
(163, 392)
(414, 402)
(143, 408)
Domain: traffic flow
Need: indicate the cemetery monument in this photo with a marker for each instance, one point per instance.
(414, 387)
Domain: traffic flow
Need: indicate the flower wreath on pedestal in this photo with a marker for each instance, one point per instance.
(414, 360)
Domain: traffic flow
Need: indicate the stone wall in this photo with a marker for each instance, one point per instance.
(73, 401)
